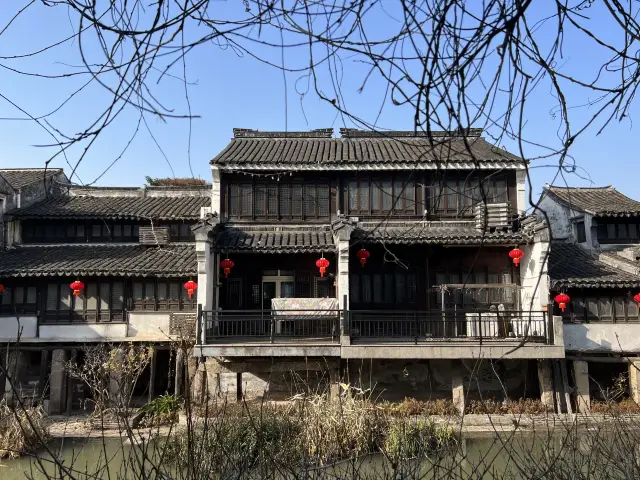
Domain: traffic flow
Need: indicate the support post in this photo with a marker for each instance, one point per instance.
(457, 386)
(152, 373)
(545, 379)
(42, 379)
(16, 367)
(634, 380)
(179, 372)
(117, 388)
(70, 383)
(581, 375)
(57, 382)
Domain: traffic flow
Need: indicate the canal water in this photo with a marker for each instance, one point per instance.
(488, 456)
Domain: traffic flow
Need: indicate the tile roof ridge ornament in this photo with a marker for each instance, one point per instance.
(251, 133)
(357, 133)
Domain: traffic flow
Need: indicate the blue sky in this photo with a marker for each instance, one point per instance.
(229, 90)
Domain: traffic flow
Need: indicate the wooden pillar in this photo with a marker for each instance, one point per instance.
(457, 386)
(581, 375)
(545, 379)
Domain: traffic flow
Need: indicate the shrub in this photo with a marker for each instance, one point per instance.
(21, 431)
(626, 406)
(523, 406)
(417, 438)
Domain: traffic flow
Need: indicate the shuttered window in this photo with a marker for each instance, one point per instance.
(279, 200)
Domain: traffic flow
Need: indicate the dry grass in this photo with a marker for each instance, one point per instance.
(523, 406)
(626, 405)
(21, 431)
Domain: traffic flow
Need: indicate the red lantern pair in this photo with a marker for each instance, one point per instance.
(516, 254)
(322, 264)
(227, 265)
(77, 286)
(636, 297)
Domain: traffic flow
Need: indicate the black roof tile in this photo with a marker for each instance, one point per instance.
(364, 150)
(120, 207)
(436, 233)
(572, 266)
(21, 177)
(99, 260)
(232, 239)
(599, 201)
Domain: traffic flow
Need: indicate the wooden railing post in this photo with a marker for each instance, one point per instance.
(199, 320)
(272, 326)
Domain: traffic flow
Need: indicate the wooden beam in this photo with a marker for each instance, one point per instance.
(44, 364)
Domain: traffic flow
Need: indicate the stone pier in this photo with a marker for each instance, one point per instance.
(57, 382)
(457, 385)
(545, 379)
(116, 385)
(581, 376)
(634, 380)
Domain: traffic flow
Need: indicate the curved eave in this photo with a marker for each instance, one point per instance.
(354, 166)
(95, 273)
(579, 283)
(299, 249)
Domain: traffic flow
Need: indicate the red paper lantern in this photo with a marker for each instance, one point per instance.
(636, 297)
(1, 289)
(562, 299)
(190, 286)
(76, 287)
(227, 265)
(363, 254)
(516, 254)
(322, 264)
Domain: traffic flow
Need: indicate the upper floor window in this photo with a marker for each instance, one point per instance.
(278, 201)
(181, 232)
(378, 195)
(458, 196)
(581, 233)
(618, 231)
(79, 232)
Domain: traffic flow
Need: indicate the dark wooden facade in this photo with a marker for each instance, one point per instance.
(317, 197)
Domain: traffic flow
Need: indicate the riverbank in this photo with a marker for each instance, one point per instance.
(471, 425)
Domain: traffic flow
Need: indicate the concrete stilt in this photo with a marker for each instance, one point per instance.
(457, 386)
(581, 375)
(334, 386)
(634, 380)
(117, 389)
(57, 382)
(152, 373)
(545, 379)
(179, 372)
(16, 368)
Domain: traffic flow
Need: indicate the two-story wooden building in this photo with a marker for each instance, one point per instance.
(381, 259)
(595, 260)
(131, 248)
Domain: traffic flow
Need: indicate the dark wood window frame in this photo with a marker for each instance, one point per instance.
(78, 311)
(285, 200)
(476, 298)
(581, 232)
(578, 309)
(181, 231)
(95, 231)
(16, 300)
(377, 195)
(151, 301)
(466, 192)
(381, 289)
(618, 231)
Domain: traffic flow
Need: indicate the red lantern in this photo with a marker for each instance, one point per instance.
(322, 264)
(363, 255)
(1, 289)
(76, 287)
(190, 286)
(227, 265)
(636, 297)
(562, 299)
(516, 254)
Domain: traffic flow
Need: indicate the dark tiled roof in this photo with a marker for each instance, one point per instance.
(100, 260)
(600, 201)
(135, 208)
(21, 177)
(239, 240)
(268, 150)
(435, 233)
(572, 266)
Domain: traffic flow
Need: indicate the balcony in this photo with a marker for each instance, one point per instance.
(382, 334)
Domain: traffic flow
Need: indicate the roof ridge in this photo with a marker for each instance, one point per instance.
(357, 133)
(606, 187)
(251, 133)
